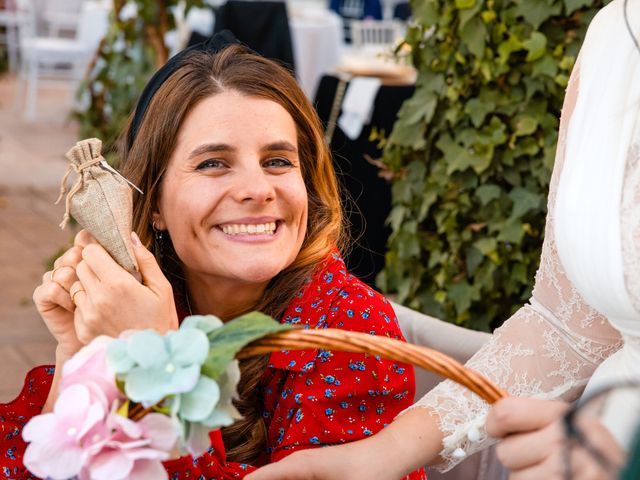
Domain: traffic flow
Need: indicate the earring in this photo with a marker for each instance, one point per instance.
(159, 240)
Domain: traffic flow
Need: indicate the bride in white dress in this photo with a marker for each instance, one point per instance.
(581, 327)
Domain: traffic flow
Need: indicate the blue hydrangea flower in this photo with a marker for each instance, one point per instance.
(207, 407)
(153, 366)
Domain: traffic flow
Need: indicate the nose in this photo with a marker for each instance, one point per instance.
(254, 185)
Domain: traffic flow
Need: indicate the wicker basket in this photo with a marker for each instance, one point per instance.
(388, 348)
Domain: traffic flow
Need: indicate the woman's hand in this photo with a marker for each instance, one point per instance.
(53, 300)
(534, 442)
(351, 461)
(110, 300)
(408, 443)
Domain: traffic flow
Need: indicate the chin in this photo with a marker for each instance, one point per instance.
(263, 274)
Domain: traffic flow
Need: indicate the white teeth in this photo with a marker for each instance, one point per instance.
(249, 229)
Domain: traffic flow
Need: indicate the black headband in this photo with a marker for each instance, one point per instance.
(213, 45)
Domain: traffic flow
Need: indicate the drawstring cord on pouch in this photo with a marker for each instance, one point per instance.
(86, 149)
(76, 186)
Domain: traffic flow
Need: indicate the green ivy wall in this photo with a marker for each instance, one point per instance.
(472, 153)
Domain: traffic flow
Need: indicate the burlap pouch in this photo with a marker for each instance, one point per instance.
(100, 201)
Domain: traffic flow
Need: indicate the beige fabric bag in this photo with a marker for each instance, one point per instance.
(100, 201)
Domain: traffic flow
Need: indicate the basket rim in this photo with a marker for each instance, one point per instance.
(384, 347)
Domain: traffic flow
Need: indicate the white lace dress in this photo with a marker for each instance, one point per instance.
(552, 346)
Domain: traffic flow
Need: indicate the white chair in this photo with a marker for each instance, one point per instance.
(61, 15)
(55, 57)
(376, 33)
(459, 343)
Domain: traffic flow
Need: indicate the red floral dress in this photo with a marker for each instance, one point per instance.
(311, 398)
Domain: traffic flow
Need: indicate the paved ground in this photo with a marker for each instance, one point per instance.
(31, 166)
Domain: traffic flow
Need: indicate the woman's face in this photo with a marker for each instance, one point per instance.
(233, 198)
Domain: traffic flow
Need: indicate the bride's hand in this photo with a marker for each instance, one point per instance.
(110, 300)
(534, 442)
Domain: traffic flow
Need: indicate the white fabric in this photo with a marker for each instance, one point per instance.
(316, 35)
(358, 105)
(587, 288)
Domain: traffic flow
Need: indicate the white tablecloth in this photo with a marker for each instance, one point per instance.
(317, 45)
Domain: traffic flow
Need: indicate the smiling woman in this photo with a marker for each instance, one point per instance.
(241, 211)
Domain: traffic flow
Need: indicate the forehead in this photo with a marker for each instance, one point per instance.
(231, 116)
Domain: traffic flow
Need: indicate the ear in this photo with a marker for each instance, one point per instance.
(158, 221)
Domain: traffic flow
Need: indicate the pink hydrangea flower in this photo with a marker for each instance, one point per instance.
(89, 367)
(85, 437)
(134, 450)
(57, 446)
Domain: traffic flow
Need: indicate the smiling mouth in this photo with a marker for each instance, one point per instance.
(268, 228)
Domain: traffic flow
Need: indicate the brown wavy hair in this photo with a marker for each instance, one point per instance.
(145, 162)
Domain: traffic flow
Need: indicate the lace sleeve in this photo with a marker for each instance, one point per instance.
(548, 348)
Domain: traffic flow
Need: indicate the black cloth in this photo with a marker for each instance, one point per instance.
(213, 44)
(262, 25)
(402, 11)
(371, 194)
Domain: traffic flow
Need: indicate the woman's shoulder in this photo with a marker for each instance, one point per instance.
(610, 21)
(335, 298)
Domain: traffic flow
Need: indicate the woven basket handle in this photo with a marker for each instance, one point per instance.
(385, 347)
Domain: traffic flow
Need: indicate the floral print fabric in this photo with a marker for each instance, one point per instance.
(311, 398)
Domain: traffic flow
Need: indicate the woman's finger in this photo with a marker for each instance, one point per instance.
(88, 279)
(551, 469)
(518, 415)
(83, 238)
(519, 451)
(151, 272)
(101, 263)
(71, 257)
(64, 276)
(51, 295)
(78, 295)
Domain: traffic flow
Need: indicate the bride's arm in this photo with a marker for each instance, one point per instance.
(549, 348)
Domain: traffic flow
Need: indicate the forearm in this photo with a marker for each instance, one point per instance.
(61, 359)
(411, 441)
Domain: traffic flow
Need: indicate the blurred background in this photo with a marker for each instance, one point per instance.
(442, 117)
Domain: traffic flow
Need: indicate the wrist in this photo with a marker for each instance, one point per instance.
(412, 441)
(64, 353)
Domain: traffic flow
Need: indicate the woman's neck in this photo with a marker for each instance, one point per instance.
(224, 299)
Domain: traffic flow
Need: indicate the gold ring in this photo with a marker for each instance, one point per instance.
(53, 272)
(73, 296)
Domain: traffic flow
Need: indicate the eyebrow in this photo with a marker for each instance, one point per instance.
(223, 147)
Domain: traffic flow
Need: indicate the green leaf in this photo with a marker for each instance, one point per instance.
(229, 339)
(478, 109)
(524, 201)
(462, 295)
(463, 4)
(473, 35)
(535, 46)
(425, 12)
(473, 260)
(545, 66)
(511, 231)
(506, 48)
(573, 5)
(486, 193)
(486, 245)
(535, 12)
(524, 125)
